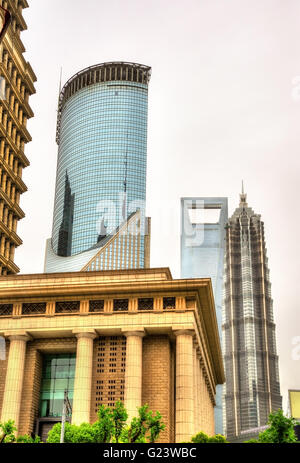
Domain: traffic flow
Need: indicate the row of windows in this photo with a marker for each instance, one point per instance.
(103, 110)
(97, 134)
(105, 107)
(102, 138)
(11, 130)
(114, 169)
(16, 79)
(94, 119)
(119, 305)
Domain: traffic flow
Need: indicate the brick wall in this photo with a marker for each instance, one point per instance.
(31, 390)
(108, 379)
(157, 386)
(207, 419)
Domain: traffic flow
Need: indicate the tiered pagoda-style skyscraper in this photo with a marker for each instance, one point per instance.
(17, 84)
(252, 387)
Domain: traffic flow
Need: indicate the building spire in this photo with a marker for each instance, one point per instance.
(60, 77)
(243, 197)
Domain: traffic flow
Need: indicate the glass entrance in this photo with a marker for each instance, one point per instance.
(57, 376)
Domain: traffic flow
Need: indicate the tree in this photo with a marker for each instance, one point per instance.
(202, 438)
(280, 430)
(7, 432)
(120, 416)
(111, 427)
(143, 428)
(8, 435)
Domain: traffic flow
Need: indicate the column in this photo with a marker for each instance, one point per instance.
(1, 209)
(4, 181)
(2, 245)
(133, 371)
(199, 397)
(184, 385)
(14, 379)
(196, 391)
(83, 377)
(12, 252)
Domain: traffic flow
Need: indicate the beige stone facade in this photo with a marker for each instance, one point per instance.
(16, 85)
(139, 337)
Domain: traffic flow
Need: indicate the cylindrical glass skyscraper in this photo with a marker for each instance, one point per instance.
(102, 150)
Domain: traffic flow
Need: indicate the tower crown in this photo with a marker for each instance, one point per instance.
(243, 197)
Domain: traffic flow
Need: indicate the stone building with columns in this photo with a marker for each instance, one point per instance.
(138, 336)
(16, 87)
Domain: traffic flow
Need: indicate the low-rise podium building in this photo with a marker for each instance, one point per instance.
(138, 336)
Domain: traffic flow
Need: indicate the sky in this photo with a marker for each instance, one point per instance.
(224, 105)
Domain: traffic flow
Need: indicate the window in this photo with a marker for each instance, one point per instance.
(34, 308)
(67, 307)
(145, 303)
(57, 376)
(96, 306)
(6, 309)
(169, 303)
(120, 305)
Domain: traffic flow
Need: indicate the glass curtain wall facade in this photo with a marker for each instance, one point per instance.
(252, 388)
(57, 376)
(102, 155)
(203, 223)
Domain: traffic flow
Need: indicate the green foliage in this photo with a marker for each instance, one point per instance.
(85, 433)
(120, 416)
(202, 438)
(7, 435)
(7, 432)
(144, 428)
(280, 430)
(155, 426)
(28, 440)
(111, 427)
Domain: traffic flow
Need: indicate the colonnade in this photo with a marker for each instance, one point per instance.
(188, 387)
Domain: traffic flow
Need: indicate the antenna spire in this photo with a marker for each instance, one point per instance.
(243, 197)
(60, 79)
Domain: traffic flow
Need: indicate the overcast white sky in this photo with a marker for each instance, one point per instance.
(223, 106)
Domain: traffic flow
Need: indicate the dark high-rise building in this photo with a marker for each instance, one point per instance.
(101, 169)
(252, 388)
(16, 85)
